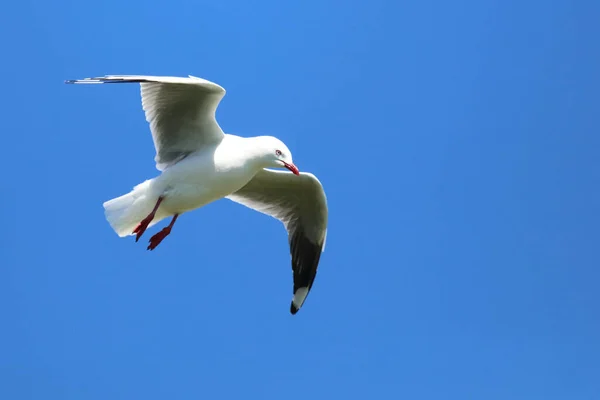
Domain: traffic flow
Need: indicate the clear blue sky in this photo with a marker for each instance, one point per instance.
(458, 145)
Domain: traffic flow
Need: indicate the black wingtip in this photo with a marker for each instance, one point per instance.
(293, 309)
(70, 81)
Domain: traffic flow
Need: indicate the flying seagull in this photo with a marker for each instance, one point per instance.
(199, 164)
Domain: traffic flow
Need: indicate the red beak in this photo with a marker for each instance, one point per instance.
(292, 168)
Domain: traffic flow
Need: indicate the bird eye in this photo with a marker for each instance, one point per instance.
(277, 152)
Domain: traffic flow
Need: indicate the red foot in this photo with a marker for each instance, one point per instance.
(141, 228)
(156, 239)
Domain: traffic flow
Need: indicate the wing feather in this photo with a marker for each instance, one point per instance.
(180, 111)
(299, 202)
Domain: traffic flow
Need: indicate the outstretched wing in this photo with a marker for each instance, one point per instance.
(180, 111)
(300, 203)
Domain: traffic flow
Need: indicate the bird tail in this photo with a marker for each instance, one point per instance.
(124, 213)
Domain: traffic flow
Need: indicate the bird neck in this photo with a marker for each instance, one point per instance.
(257, 154)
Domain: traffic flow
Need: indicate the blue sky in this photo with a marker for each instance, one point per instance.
(458, 146)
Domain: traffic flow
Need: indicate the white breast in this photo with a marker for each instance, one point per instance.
(204, 177)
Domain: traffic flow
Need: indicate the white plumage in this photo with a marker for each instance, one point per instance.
(200, 164)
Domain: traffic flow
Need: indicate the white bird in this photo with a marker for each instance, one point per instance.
(200, 164)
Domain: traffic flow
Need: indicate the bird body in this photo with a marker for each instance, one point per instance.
(200, 164)
(200, 178)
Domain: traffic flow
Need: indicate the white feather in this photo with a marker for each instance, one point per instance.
(124, 213)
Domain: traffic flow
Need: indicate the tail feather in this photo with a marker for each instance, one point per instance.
(124, 213)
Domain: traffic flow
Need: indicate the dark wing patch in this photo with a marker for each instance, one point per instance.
(110, 80)
(305, 262)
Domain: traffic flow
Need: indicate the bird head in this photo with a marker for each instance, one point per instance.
(277, 154)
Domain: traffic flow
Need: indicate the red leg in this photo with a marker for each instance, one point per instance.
(141, 228)
(156, 239)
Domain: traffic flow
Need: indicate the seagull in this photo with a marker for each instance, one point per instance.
(200, 164)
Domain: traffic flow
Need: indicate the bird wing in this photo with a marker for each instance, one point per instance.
(300, 203)
(180, 111)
